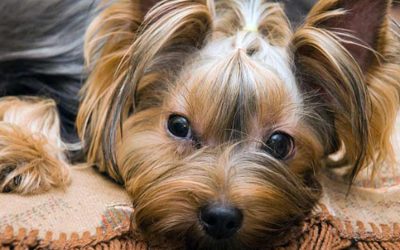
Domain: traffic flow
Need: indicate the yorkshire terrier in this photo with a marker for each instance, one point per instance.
(216, 115)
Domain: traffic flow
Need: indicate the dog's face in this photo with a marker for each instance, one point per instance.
(229, 152)
(225, 114)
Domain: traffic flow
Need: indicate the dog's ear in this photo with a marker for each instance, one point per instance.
(126, 50)
(342, 53)
(361, 24)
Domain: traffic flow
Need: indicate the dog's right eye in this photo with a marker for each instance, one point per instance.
(280, 145)
(179, 126)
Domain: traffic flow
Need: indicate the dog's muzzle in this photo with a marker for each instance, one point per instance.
(220, 221)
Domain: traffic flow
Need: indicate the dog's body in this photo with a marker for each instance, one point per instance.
(215, 115)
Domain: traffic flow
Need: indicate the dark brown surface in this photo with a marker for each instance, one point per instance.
(322, 231)
(396, 12)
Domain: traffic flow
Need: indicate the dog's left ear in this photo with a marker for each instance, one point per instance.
(342, 52)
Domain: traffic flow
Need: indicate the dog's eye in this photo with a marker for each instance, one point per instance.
(280, 145)
(179, 126)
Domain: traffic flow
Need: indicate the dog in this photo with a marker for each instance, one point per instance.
(216, 115)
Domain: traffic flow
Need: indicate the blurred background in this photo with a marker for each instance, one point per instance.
(298, 9)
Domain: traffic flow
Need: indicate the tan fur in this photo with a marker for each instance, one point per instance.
(120, 41)
(32, 156)
(274, 24)
(160, 172)
(380, 85)
(119, 24)
(239, 74)
(209, 62)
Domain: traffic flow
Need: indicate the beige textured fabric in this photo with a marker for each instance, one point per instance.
(368, 205)
(369, 200)
(94, 210)
(89, 203)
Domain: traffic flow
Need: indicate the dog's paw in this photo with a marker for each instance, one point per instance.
(29, 163)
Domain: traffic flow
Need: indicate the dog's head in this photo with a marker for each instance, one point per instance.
(216, 116)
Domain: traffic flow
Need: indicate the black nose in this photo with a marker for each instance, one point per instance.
(221, 221)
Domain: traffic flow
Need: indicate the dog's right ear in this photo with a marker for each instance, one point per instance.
(125, 48)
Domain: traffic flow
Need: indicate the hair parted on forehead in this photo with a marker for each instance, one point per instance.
(186, 100)
(129, 54)
(237, 95)
(327, 63)
(214, 114)
(259, 16)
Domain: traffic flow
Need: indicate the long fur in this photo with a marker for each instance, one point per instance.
(41, 52)
(365, 101)
(32, 155)
(168, 66)
(239, 72)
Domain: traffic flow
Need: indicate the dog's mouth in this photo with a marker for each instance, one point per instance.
(205, 242)
(260, 206)
(196, 237)
(236, 242)
(216, 245)
(243, 231)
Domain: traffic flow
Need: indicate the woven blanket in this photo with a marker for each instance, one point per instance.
(95, 212)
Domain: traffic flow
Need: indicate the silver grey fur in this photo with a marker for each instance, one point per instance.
(41, 51)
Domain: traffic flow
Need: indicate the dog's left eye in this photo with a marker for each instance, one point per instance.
(179, 126)
(280, 145)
